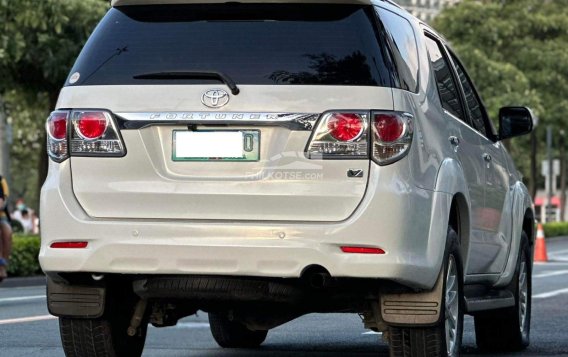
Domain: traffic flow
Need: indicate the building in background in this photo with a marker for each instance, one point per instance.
(425, 10)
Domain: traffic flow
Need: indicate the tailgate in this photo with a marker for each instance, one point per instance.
(282, 185)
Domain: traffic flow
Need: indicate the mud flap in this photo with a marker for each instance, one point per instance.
(413, 309)
(65, 300)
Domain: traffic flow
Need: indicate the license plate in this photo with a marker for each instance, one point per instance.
(216, 145)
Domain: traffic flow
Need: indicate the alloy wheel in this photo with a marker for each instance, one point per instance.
(452, 307)
(523, 294)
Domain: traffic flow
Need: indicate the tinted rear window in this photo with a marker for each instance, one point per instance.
(251, 43)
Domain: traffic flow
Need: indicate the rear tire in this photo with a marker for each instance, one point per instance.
(100, 337)
(106, 336)
(233, 334)
(445, 338)
(509, 329)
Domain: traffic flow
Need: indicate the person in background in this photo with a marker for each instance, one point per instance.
(26, 220)
(26, 217)
(5, 229)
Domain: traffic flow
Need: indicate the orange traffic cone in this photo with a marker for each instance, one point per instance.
(540, 254)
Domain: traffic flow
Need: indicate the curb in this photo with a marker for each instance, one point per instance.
(23, 282)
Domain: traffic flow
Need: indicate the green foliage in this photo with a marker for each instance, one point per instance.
(39, 40)
(555, 229)
(516, 51)
(26, 114)
(24, 257)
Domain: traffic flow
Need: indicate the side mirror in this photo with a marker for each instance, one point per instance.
(515, 121)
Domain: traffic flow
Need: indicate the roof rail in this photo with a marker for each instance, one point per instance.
(159, 2)
(393, 3)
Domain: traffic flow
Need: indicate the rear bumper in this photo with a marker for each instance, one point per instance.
(414, 247)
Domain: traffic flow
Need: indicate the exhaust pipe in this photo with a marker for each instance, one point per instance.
(320, 280)
(97, 277)
(317, 277)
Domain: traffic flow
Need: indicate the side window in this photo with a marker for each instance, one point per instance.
(473, 104)
(405, 51)
(449, 94)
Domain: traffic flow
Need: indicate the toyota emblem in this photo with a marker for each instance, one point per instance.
(215, 98)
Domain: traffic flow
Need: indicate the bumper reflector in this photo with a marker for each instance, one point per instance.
(362, 250)
(67, 245)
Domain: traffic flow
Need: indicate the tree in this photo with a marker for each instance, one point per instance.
(39, 41)
(516, 51)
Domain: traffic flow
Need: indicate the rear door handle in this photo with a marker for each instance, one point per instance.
(454, 140)
(487, 157)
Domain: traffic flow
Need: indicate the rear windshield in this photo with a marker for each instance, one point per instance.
(251, 43)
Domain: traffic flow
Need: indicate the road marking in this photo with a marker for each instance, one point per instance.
(27, 319)
(558, 258)
(559, 252)
(22, 298)
(372, 333)
(551, 273)
(193, 325)
(551, 294)
(557, 262)
(51, 317)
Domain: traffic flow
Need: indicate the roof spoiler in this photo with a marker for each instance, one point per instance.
(160, 2)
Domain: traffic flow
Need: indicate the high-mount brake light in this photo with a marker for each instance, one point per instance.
(56, 127)
(95, 134)
(340, 135)
(392, 136)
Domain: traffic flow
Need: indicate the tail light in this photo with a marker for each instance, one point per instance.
(92, 133)
(345, 135)
(345, 127)
(392, 136)
(91, 125)
(95, 134)
(56, 127)
(340, 135)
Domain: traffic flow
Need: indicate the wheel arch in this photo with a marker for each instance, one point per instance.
(460, 221)
(451, 180)
(451, 207)
(522, 220)
(529, 225)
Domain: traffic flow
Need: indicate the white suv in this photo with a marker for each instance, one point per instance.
(261, 161)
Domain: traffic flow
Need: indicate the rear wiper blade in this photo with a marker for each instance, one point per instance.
(192, 75)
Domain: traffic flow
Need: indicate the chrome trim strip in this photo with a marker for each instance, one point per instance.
(292, 121)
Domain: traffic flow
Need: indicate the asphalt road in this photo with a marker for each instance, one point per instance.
(26, 328)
